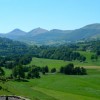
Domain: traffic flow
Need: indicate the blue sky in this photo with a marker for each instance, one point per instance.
(48, 14)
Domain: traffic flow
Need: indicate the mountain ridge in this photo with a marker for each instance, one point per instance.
(43, 36)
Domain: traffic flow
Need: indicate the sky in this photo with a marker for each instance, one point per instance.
(48, 14)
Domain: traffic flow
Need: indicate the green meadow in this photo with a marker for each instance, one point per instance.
(58, 63)
(58, 86)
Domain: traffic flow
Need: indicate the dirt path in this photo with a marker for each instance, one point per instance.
(92, 67)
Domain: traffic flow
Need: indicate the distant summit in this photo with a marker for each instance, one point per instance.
(92, 26)
(16, 32)
(55, 36)
(37, 31)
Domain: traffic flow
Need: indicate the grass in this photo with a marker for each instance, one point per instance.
(7, 71)
(50, 62)
(64, 87)
(58, 63)
(58, 86)
(64, 95)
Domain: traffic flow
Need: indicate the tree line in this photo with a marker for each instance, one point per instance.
(61, 53)
(10, 62)
(30, 72)
(13, 52)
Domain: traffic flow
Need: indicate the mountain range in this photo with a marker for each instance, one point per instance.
(55, 36)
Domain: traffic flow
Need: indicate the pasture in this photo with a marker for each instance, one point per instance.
(58, 86)
(58, 63)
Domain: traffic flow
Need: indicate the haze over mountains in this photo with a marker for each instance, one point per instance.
(43, 36)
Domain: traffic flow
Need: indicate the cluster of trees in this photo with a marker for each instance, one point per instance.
(94, 57)
(98, 52)
(13, 52)
(71, 70)
(21, 72)
(93, 46)
(18, 72)
(9, 47)
(33, 73)
(29, 72)
(25, 59)
(61, 53)
(12, 61)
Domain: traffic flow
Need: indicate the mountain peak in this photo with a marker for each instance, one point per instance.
(92, 26)
(17, 29)
(16, 32)
(37, 31)
(38, 28)
(55, 30)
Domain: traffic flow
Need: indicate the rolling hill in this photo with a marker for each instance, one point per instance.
(9, 47)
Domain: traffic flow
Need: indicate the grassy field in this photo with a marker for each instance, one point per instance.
(58, 86)
(58, 63)
(7, 71)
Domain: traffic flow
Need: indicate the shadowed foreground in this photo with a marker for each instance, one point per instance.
(12, 98)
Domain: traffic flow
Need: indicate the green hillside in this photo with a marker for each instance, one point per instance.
(9, 47)
(58, 63)
(57, 87)
(52, 86)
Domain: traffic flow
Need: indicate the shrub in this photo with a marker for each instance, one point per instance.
(53, 70)
(71, 70)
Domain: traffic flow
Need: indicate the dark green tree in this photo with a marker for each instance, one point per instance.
(2, 73)
(53, 70)
(77, 71)
(18, 72)
(46, 69)
(14, 72)
(94, 57)
(69, 69)
(43, 71)
(62, 70)
(33, 73)
(83, 71)
(82, 58)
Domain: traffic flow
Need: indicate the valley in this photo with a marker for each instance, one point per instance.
(35, 72)
(49, 49)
